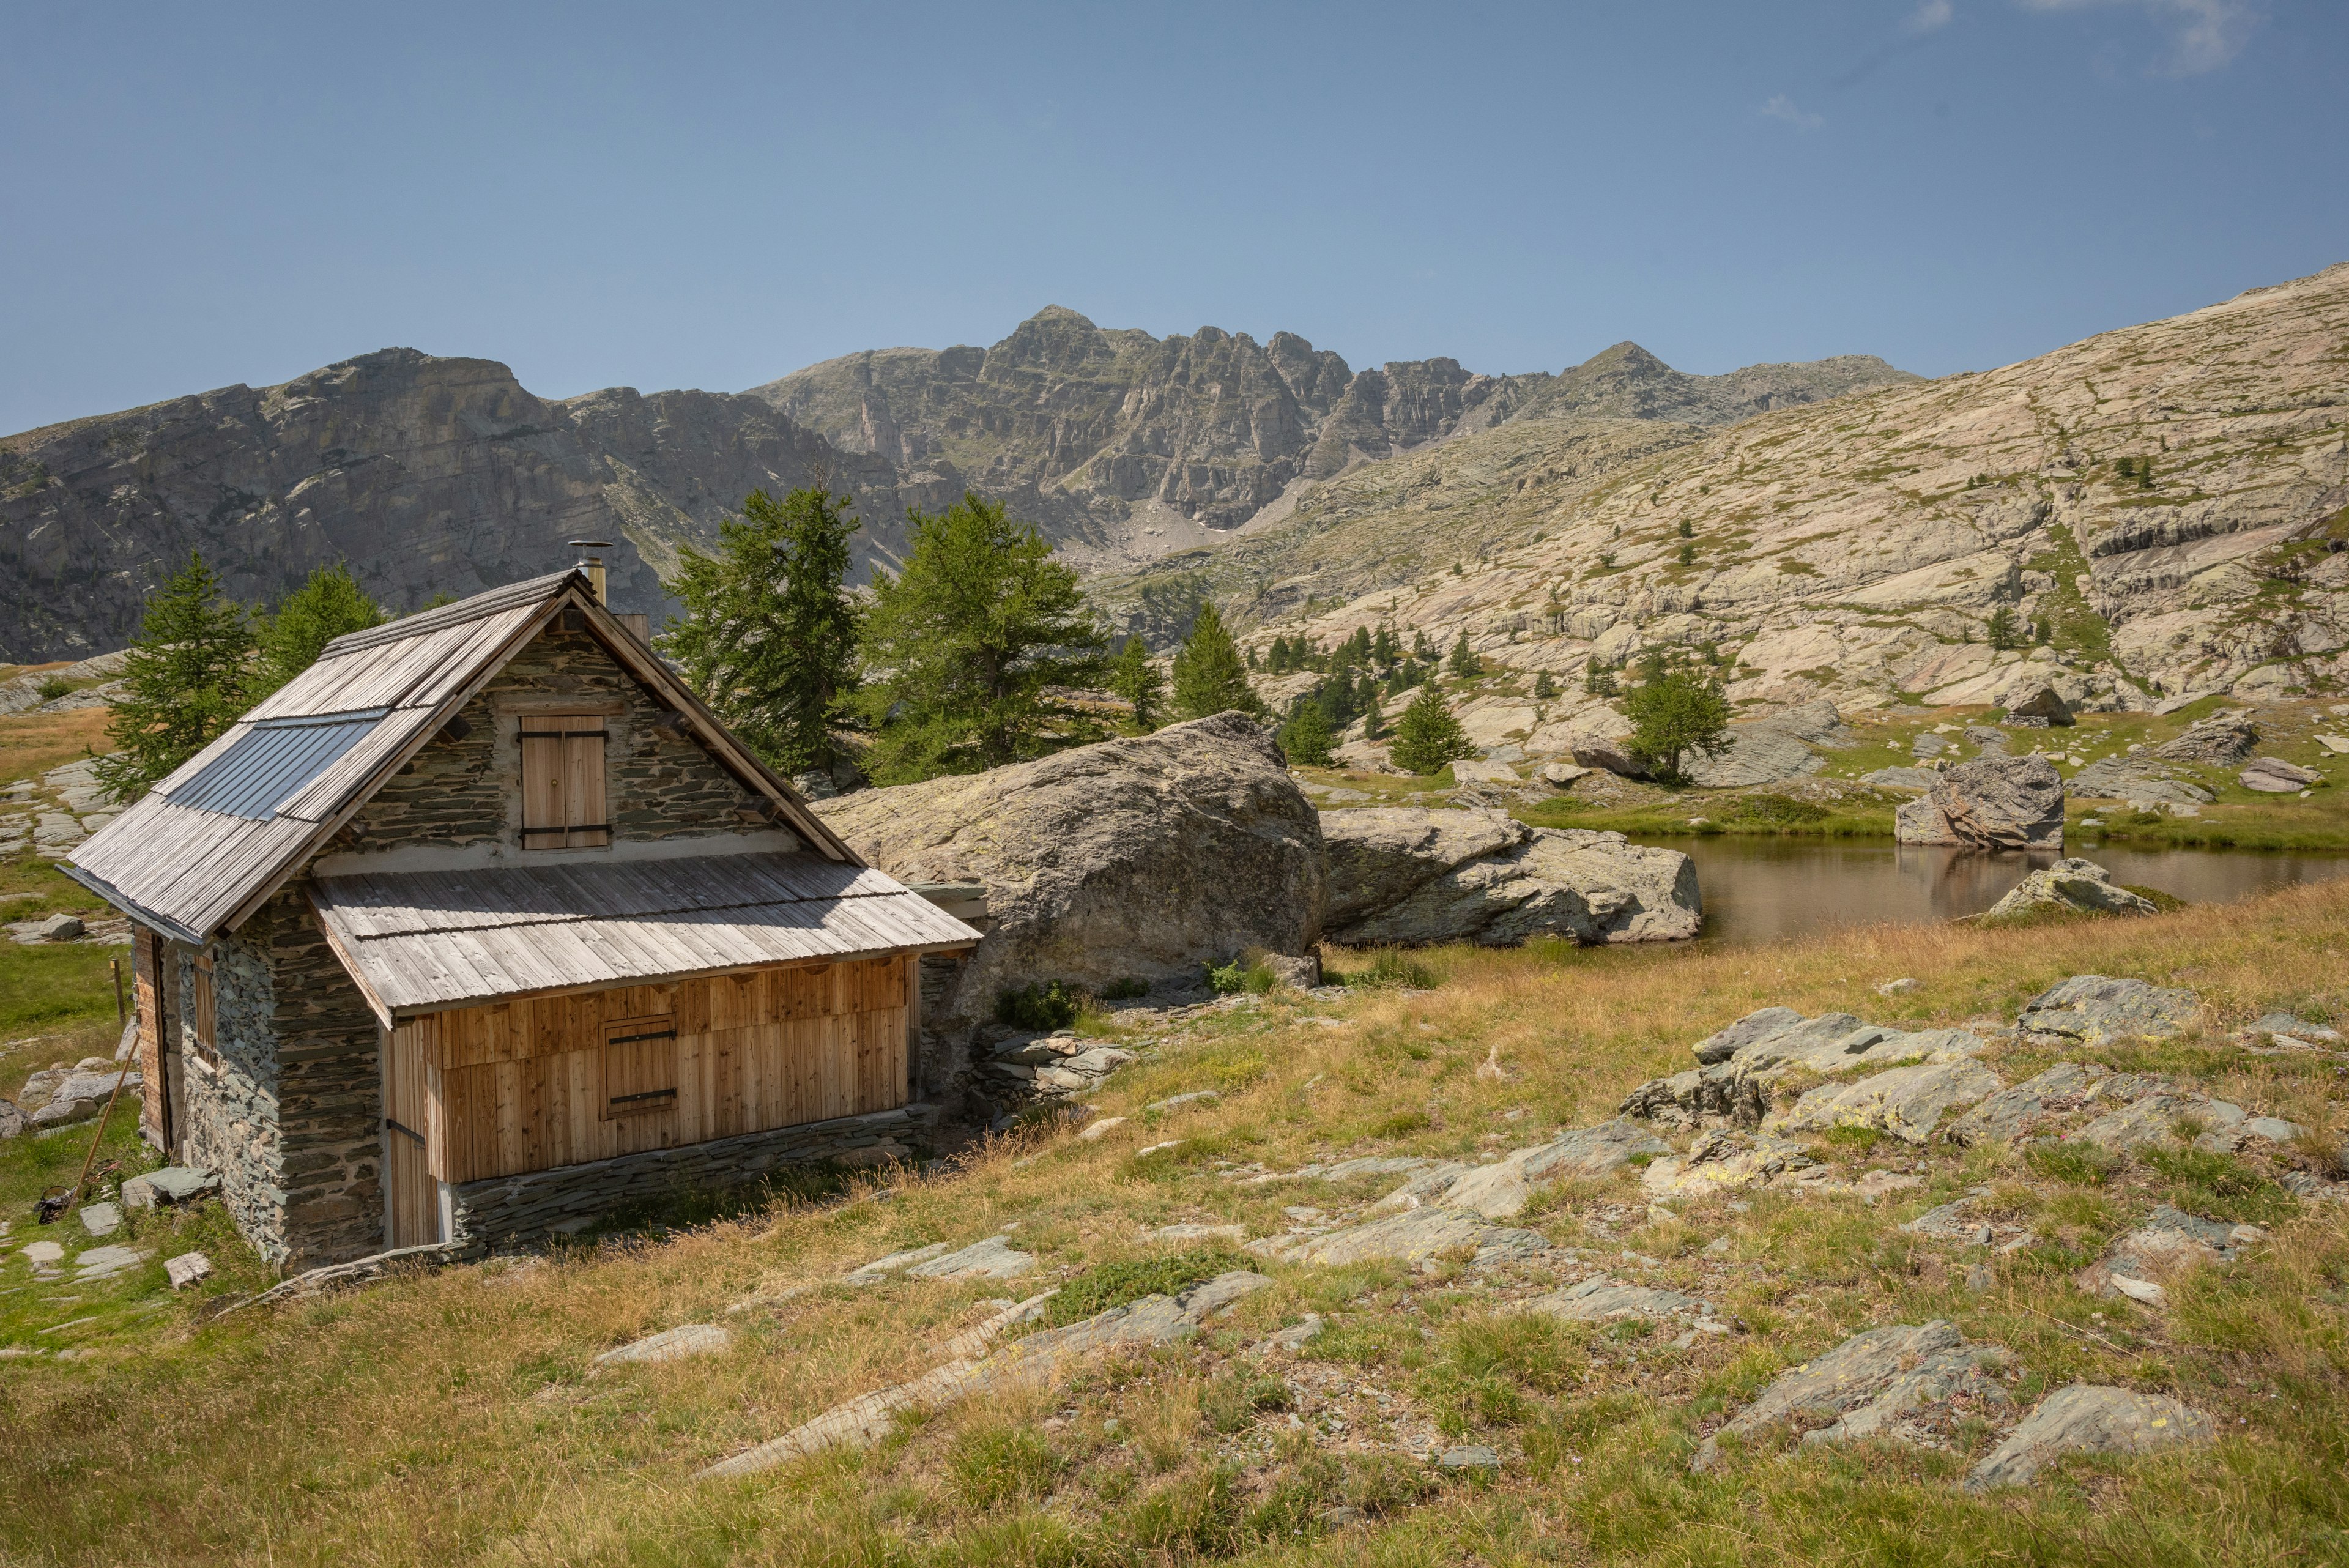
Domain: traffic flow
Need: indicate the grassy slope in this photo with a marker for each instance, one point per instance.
(452, 1418)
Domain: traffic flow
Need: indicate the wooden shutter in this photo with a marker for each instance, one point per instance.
(563, 802)
(206, 1018)
(639, 1065)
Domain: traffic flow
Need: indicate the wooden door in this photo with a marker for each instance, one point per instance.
(411, 1197)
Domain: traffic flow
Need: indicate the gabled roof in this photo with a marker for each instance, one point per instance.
(208, 845)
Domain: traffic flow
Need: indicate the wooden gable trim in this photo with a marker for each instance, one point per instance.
(634, 658)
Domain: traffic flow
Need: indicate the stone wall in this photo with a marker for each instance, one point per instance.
(232, 1121)
(329, 1091)
(292, 1116)
(507, 1211)
(468, 791)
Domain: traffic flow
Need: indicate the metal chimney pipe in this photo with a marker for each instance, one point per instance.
(593, 565)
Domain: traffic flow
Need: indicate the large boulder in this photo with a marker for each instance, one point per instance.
(2036, 703)
(1141, 858)
(1411, 876)
(1991, 803)
(2066, 887)
(1771, 750)
(2274, 775)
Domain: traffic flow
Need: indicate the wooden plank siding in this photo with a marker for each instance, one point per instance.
(520, 1086)
(147, 968)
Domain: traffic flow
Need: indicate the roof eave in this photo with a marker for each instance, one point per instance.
(132, 908)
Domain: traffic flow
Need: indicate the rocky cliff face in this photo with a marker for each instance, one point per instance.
(1128, 446)
(428, 476)
(2170, 502)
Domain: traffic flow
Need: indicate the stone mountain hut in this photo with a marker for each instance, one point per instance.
(484, 924)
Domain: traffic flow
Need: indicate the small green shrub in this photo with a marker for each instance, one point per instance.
(1390, 969)
(1125, 989)
(995, 1465)
(1233, 1400)
(1045, 1007)
(2080, 1164)
(1779, 810)
(54, 687)
(1107, 1285)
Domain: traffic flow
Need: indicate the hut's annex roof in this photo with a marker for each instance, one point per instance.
(208, 845)
(419, 941)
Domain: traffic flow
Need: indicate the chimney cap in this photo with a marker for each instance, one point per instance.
(587, 544)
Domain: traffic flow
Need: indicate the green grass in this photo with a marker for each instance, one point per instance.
(57, 985)
(1122, 1284)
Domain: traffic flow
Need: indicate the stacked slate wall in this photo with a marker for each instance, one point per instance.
(468, 791)
(502, 1211)
(292, 1115)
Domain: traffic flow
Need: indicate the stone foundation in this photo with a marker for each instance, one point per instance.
(507, 1211)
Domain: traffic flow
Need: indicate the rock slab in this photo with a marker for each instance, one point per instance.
(1875, 1384)
(2073, 885)
(2086, 1418)
(1411, 876)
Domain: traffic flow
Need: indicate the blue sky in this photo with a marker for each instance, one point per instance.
(710, 196)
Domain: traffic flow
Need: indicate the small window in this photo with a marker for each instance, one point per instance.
(639, 1066)
(202, 1012)
(563, 781)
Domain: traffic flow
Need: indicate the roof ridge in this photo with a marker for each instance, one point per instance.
(488, 602)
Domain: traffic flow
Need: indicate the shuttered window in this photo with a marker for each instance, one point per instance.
(203, 1014)
(639, 1066)
(562, 804)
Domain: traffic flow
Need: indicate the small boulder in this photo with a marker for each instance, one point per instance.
(1597, 1299)
(1759, 1024)
(2084, 1419)
(1563, 774)
(2071, 885)
(2274, 775)
(1906, 1102)
(61, 928)
(1470, 1458)
(1989, 803)
(2214, 741)
(1502, 1190)
(2166, 1240)
(187, 1269)
(991, 1258)
(1474, 770)
(2009, 1113)
(173, 1184)
(1598, 754)
(13, 1120)
(670, 1345)
(2036, 705)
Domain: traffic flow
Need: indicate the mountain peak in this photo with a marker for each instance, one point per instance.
(1625, 355)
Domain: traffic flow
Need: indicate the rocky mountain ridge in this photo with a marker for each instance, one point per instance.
(1126, 445)
(433, 475)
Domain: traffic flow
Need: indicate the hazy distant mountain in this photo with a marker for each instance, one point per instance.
(445, 475)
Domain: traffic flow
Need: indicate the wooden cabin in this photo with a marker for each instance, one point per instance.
(483, 925)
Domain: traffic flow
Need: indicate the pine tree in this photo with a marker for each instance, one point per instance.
(1208, 676)
(184, 681)
(1674, 713)
(1598, 680)
(768, 638)
(1687, 531)
(1422, 649)
(2001, 627)
(1385, 649)
(1427, 737)
(1133, 677)
(968, 651)
(1374, 720)
(1544, 686)
(1306, 738)
(1466, 665)
(1688, 554)
(292, 637)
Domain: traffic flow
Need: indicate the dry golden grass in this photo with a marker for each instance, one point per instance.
(33, 743)
(453, 1418)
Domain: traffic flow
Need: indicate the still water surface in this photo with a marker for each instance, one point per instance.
(1761, 889)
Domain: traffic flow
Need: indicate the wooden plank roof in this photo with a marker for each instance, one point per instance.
(421, 941)
(210, 844)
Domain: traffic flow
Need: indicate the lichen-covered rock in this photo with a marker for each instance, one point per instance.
(1412, 876)
(1770, 749)
(1146, 857)
(1501, 1191)
(2166, 1241)
(2274, 775)
(1597, 1299)
(2093, 1009)
(1907, 1102)
(2009, 1113)
(1760, 1025)
(2084, 1419)
(1989, 803)
(2071, 885)
(1890, 1381)
(1413, 1237)
(1735, 1087)
(2036, 703)
(2214, 740)
(1724, 1160)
